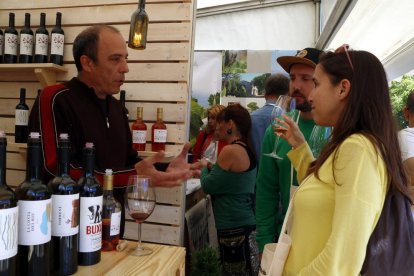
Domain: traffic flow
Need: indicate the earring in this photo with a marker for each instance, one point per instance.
(229, 131)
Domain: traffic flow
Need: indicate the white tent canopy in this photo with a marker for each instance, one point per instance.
(383, 27)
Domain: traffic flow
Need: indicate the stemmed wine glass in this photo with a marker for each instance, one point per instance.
(319, 137)
(285, 105)
(210, 153)
(140, 202)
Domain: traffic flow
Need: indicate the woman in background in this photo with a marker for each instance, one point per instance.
(231, 182)
(206, 136)
(342, 193)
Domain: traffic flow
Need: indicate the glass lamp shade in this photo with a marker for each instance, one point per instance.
(138, 29)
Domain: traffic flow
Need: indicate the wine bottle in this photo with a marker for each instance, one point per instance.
(159, 133)
(10, 42)
(26, 41)
(111, 215)
(57, 42)
(90, 218)
(1, 45)
(41, 41)
(8, 217)
(33, 257)
(122, 100)
(21, 119)
(139, 28)
(139, 131)
(65, 213)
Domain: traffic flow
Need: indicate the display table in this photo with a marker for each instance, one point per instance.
(165, 260)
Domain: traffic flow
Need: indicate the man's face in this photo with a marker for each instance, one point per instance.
(108, 73)
(301, 85)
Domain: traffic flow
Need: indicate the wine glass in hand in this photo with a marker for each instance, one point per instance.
(140, 202)
(318, 138)
(285, 105)
(210, 153)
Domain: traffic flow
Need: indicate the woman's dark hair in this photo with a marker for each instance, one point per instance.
(410, 102)
(368, 112)
(86, 43)
(241, 119)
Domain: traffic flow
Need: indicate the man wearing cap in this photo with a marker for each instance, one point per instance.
(275, 176)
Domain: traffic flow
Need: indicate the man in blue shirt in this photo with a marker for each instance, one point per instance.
(275, 86)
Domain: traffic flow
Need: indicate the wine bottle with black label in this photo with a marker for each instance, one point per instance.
(10, 42)
(35, 207)
(8, 217)
(41, 41)
(26, 41)
(90, 216)
(57, 41)
(65, 213)
(21, 119)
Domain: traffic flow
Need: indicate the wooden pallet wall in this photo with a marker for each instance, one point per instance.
(159, 76)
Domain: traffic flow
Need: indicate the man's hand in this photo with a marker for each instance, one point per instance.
(177, 172)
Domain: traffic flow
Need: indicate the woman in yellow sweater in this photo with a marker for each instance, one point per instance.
(342, 193)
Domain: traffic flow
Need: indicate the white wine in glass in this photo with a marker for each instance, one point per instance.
(140, 203)
(285, 105)
(210, 154)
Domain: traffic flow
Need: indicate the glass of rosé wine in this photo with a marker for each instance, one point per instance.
(285, 105)
(140, 203)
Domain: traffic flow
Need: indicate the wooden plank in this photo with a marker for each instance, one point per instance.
(170, 195)
(163, 214)
(171, 92)
(16, 160)
(173, 112)
(157, 32)
(153, 233)
(103, 13)
(15, 177)
(11, 90)
(153, 52)
(7, 107)
(163, 261)
(19, 4)
(137, 72)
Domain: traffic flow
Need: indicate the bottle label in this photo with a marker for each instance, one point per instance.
(115, 223)
(90, 224)
(35, 221)
(26, 44)
(42, 42)
(65, 213)
(160, 135)
(57, 43)
(139, 136)
(8, 232)
(10, 44)
(22, 117)
(1, 44)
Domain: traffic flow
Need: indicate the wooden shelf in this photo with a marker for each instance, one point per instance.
(45, 72)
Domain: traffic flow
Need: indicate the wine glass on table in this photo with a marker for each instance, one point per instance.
(140, 203)
(285, 105)
(319, 137)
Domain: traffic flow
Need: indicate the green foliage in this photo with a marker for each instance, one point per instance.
(259, 82)
(197, 113)
(232, 63)
(205, 262)
(399, 91)
(252, 106)
(214, 99)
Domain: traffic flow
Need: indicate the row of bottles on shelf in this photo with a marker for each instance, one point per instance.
(32, 47)
(139, 130)
(51, 229)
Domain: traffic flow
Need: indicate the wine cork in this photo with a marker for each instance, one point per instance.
(122, 244)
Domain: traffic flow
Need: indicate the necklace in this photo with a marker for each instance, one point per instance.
(235, 141)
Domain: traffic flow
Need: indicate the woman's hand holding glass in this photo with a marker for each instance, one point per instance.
(289, 131)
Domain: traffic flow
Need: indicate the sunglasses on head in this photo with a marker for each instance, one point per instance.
(344, 49)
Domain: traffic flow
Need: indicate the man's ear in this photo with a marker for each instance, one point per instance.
(345, 88)
(86, 62)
